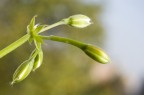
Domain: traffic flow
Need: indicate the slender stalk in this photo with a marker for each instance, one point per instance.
(14, 45)
(23, 39)
(65, 40)
(52, 26)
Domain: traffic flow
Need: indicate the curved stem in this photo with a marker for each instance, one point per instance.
(65, 40)
(14, 45)
(52, 26)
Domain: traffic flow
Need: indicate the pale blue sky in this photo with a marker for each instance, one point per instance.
(123, 21)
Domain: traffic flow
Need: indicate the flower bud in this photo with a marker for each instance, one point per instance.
(38, 60)
(96, 53)
(23, 71)
(79, 21)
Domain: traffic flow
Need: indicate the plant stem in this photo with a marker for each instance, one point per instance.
(14, 45)
(65, 40)
(23, 39)
(53, 25)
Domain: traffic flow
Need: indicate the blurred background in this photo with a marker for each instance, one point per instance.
(66, 70)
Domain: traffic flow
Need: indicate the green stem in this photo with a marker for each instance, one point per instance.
(14, 45)
(52, 26)
(23, 39)
(65, 40)
(34, 53)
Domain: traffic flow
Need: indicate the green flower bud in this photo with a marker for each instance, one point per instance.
(96, 53)
(79, 21)
(38, 60)
(23, 71)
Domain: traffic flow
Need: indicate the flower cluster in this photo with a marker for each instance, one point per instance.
(36, 57)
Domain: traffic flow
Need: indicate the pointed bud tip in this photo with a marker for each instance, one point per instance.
(12, 83)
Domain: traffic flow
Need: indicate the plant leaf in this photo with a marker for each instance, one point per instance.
(32, 23)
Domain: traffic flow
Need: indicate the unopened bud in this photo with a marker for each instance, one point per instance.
(96, 53)
(38, 60)
(23, 71)
(79, 21)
